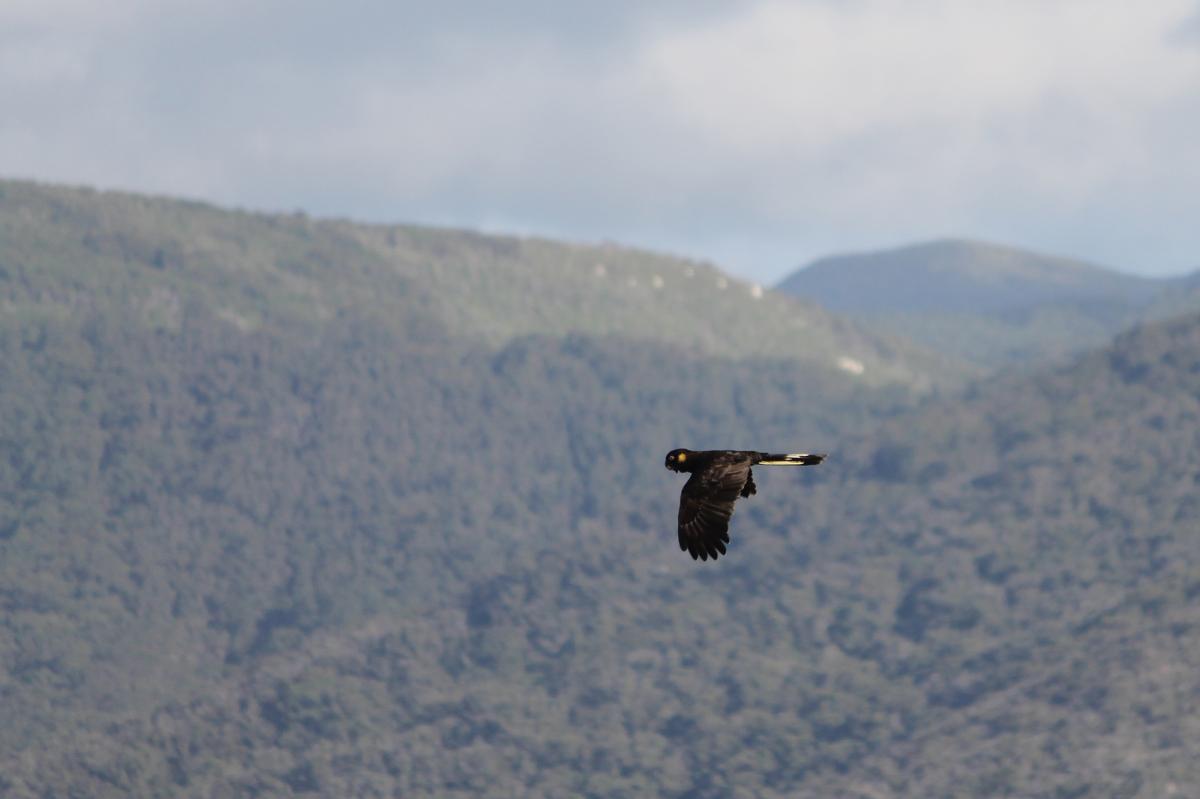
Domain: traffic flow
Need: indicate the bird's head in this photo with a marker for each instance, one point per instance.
(677, 460)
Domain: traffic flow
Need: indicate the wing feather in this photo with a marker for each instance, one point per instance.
(706, 506)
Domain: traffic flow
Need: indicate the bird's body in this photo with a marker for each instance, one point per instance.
(718, 479)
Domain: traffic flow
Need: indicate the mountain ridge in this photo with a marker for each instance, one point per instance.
(492, 288)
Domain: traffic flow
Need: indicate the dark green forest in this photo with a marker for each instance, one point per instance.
(281, 514)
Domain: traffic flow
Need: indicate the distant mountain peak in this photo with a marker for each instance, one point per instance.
(990, 304)
(959, 276)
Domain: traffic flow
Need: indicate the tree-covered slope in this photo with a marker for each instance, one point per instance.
(360, 553)
(194, 517)
(1043, 538)
(228, 437)
(991, 305)
(347, 567)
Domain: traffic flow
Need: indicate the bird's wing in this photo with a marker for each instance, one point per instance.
(705, 506)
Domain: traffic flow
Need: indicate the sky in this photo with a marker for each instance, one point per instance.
(758, 135)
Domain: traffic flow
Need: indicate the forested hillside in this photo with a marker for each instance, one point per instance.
(275, 538)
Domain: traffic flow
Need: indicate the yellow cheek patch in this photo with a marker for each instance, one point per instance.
(681, 457)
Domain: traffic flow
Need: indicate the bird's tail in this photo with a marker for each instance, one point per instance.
(792, 459)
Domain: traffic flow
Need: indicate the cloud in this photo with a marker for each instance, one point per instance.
(756, 133)
(1187, 33)
(1064, 95)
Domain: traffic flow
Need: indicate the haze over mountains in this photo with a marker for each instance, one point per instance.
(990, 304)
(306, 508)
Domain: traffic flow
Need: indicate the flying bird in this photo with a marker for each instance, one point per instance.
(718, 478)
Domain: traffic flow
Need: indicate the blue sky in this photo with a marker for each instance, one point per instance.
(758, 135)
